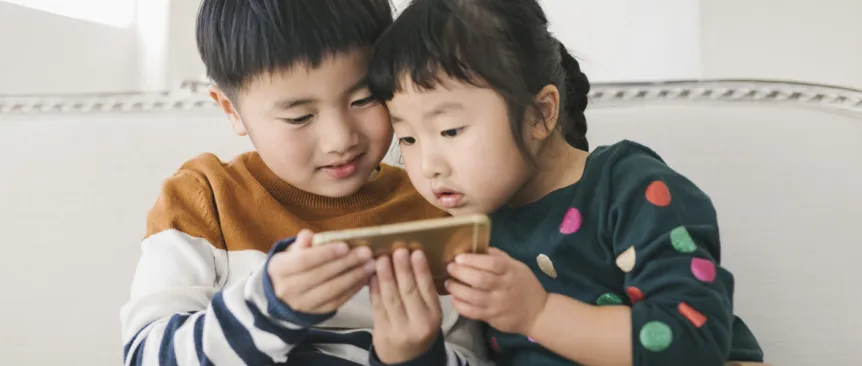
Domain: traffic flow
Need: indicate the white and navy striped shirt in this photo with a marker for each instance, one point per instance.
(194, 304)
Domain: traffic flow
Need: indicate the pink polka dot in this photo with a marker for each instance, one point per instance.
(531, 339)
(703, 269)
(495, 346)
(571, 222)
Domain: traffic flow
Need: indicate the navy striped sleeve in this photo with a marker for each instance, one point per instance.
(440, 353)
(243, 324)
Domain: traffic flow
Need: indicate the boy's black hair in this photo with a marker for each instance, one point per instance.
(501, 44)
(242, 39)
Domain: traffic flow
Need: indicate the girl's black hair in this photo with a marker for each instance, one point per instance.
(501, 44)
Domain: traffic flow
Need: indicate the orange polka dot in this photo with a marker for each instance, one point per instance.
(694, 316)
(635, 294)
(658, 194)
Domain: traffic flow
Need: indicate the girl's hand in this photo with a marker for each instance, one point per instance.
(496, 289)
(407, 314)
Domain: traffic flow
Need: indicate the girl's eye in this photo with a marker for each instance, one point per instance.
(452, 132)
(406, 141)
(364, 102)
(298, 121)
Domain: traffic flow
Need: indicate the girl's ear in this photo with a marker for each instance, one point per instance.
(548, 103)
(229, 110)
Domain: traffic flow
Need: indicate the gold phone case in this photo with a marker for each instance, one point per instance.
(440, 239)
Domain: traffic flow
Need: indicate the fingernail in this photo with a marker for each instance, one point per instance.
(459, 259)
(419, 255)
(370, 267)
(363, 253)
(341, 249)
(450, 267)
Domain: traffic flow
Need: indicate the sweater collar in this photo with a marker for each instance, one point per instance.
(381, 187)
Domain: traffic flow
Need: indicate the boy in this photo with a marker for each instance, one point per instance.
(290, 74)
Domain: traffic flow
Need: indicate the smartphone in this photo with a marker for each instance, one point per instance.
(440, 239)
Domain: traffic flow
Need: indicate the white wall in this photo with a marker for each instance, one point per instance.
(818, 41)
(628, 39)
(167, 45)
(47, 53)
(614, 39)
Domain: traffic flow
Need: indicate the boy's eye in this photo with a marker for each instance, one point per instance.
(364, 102)
(298, 121)
(406, 141)
(452, 132)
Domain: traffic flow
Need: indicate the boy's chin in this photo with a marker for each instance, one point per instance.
(340, 188)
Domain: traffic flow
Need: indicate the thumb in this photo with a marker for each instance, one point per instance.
(303, 239)
(494, 252)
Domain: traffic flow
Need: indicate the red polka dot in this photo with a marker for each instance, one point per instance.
(635, 294)
(694, 316)
(658, 194)
(495, 346)
(703, 269)
(571, 222)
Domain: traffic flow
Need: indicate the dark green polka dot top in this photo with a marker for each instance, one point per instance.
(632, 232)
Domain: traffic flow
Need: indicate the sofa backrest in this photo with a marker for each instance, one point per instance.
(779, 160)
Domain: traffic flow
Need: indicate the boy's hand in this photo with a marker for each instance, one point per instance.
(407, 314)
(319, 280)
(496, 289)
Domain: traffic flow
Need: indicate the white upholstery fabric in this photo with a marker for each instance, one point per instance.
(75, 189)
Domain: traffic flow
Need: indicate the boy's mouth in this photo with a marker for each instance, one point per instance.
(342, 169)
(448, 198)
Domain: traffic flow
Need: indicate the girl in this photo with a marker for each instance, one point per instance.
(605, 258)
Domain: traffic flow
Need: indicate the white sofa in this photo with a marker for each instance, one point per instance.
(778, 159)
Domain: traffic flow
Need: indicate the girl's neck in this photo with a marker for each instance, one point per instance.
(558, 165)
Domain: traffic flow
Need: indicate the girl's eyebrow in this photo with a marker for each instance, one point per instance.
(442, 108)
(434, 112)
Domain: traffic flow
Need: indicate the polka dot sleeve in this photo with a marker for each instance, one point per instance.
(666, 242)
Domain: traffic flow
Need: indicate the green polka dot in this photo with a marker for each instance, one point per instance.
(656, 336)
(681, 241)
(609, 299)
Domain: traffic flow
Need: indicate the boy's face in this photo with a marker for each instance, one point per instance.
(318, 129)
(457, 146)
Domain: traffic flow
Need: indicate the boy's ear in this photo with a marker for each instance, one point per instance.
(229, 110)
(548, 102)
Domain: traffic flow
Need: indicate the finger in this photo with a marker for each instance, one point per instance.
(305, 259)
(424, 280)
(303, 240)
(414, 304)
(346, 295)
(327, 293)
(468, 310)
(467, 294)
(494, 263)
(379, 311)
(389, 295)
(328, 271)
(473, 277)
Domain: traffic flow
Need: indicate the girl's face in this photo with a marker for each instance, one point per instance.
(458, 148)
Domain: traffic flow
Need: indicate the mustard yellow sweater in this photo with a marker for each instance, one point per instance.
(200, 294)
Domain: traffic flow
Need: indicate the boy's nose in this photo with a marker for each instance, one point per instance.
(339, 137)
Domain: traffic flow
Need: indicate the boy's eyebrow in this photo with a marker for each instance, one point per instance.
(357, 86)
(437, 110)
(290, 103)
